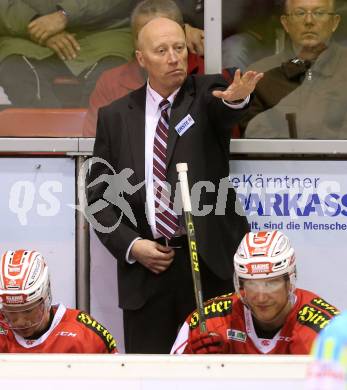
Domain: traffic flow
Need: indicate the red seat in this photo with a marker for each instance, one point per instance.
(41, 122)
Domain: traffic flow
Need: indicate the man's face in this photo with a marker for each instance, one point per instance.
(162, 51)
(310, 23)
(26, 320)
(266, 297)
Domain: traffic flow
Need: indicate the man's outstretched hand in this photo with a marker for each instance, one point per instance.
(207, 343)
(241, 87)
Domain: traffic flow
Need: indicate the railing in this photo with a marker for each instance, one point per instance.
(154, 371)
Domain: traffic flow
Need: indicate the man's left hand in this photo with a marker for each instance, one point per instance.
(64, 45)
(46, 26)
(241, 87)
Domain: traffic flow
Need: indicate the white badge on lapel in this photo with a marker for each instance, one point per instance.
(184, 125)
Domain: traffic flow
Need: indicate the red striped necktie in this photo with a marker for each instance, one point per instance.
(166, 220)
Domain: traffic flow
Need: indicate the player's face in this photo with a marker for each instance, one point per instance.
(162, 51)
(266, 297)
(26, 321)
(310, 23)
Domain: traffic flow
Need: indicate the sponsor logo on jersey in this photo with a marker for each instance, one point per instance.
(265, 342)
(3, 331)
(313, 318)
(287, 339)
(66, 334)
(214, 308)
(237, 335)
(102, 332)
(321, 303)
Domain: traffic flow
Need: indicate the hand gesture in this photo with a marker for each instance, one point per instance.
(64, 45)
(157, 258)
(241, 87)
(40, 29)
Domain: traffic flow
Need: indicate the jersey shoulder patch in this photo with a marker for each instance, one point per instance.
(322, 304)
(97, 328)
(215, 307)
(316, 314)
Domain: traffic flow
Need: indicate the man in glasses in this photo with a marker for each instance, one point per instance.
(302, 94)
(28, 321)
(268, 314)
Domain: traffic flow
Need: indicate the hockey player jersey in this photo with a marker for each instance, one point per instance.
(228, 316)
(71, 331)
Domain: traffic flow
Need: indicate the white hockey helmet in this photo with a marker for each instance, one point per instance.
(24, 279)
(262, 255)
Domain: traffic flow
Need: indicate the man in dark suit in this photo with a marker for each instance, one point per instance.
(154, 277)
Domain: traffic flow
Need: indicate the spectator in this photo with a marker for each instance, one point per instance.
(41, 40)
(302, 94)
(268, 314)
(248, 30)
(255, 35)
(30, 324)
(117, 82)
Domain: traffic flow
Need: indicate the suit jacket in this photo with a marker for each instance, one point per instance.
(120, 140)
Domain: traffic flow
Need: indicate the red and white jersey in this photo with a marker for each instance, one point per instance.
(228, 316)
(71, 331)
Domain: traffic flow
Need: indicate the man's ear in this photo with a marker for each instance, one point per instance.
(139, 57)
(336, 23)
(284, 22)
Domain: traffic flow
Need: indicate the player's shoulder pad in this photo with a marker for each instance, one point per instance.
(97, 328)
(317, 314)
(215, 307)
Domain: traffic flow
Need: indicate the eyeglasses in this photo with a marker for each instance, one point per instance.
(300, 15)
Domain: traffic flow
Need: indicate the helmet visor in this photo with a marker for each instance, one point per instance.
(267, 286)
(24, 317)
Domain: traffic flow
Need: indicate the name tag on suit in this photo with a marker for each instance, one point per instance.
(184, 124)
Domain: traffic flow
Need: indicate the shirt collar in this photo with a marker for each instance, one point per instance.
(154, 98)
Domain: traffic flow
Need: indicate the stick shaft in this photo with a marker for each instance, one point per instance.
(194, 262)
(193, 250)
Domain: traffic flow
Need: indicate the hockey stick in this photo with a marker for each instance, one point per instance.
(182, 169)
